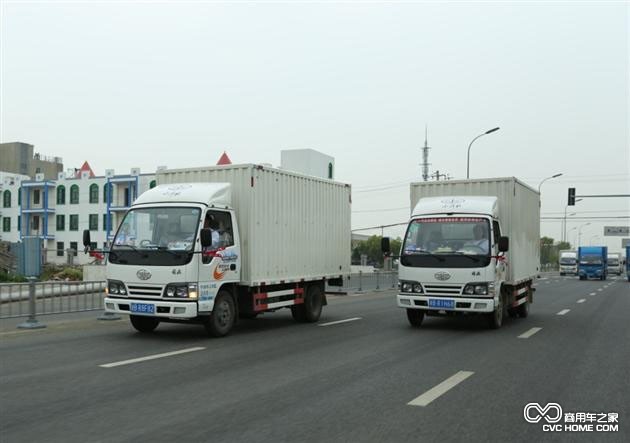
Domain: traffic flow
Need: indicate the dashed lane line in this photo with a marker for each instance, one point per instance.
(150, 357)
(529, 333)
(439, 390)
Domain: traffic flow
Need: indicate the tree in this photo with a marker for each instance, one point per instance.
(372, 249)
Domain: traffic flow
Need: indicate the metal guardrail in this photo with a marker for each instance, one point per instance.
(366, 281)
(44, 298)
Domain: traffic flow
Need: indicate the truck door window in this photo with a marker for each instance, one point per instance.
(220, 223)
(496, 230)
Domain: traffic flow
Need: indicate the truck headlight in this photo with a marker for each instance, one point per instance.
(479, 289)
(116, 287)
(181, 290)
(411, 286)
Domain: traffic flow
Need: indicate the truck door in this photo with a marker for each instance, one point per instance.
(221, 262)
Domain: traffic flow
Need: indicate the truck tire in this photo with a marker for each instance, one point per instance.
(311, 309)
(495, 319)
(415, 317)
(221, 320)
(144, 324)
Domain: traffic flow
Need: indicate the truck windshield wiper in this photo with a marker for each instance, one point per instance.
(174, 253)
(424, 252)
(130, 247)
(472, 257)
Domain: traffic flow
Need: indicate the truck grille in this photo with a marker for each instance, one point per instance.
(145, 290)
(443, 289)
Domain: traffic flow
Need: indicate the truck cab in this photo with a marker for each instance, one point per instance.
(614, 263)
(568, 263)
(592, 262)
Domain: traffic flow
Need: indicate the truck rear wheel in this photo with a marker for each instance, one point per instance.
(144, 324)
(220, 322)
(311, 309)
(415, 317)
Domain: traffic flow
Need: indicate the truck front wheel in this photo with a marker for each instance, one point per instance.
(495, 318)
(415, 317)
(144, 324)
(220, 322)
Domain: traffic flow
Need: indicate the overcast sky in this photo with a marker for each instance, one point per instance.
(124, 84)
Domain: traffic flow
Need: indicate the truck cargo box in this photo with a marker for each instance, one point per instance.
(519, 215)
(292, 226)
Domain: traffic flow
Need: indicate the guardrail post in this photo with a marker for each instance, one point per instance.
(108, 316)
(32, 322)
(393, 280)
(377, 281)
(360, 282)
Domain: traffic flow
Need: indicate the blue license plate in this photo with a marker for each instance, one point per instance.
(441, 303)
(143, 308)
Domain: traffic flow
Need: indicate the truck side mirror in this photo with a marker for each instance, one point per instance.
(205, 237)
(86, 238)
(504, 244)
(385, 247)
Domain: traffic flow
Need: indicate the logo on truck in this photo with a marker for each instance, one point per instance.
(442, 276)
(143, 274)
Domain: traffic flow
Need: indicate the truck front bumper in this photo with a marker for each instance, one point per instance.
(462, 304)
(161, 308)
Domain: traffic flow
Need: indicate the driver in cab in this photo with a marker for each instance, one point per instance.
(480, 240)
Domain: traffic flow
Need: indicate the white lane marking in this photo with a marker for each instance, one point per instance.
(593, 293)
(150, 357)
(564, 311)
(582, 300)
(339, 321)
(600, 290)
(529, 333)
(441, 389)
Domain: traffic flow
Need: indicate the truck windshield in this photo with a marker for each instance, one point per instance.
(156, 236)
(567, 261)
(591, 260)
(613, 262)
(451, 242)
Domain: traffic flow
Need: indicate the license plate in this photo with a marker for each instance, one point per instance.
(441, 303)
(143, 308)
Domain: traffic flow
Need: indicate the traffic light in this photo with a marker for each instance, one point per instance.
(571, 197)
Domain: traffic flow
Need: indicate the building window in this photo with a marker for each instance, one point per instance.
(74, 194)
(59, 249)
(61, 222)
(152, 184)
(93, 193)
(61, 195)
(127, 198)
(36, 194)
(93, 245)
(20, 196)
(93, 222)
(74, 222)
(6, 224)
(74, 246)
(6, 199)
(35, 223)
(19, 223)
(104, 222)
(330, 171)
(107, 193)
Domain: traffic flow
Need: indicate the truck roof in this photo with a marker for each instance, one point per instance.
(210, 194)
(461, 205)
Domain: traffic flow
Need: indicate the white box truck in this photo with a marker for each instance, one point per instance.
(615, 263)
(210, 244)
(471, 247)
(568, 262)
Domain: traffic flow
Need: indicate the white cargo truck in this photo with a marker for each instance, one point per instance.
(471, 247)
(568, 262)
(615, 263)
(208, 245)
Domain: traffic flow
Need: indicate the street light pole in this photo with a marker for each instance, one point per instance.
(548, 178)
(565, 219)
(490, 131)
(580, 233)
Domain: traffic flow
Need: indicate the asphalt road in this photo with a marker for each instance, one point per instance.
(275, 380)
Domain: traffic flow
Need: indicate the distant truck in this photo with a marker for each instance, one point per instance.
(568, 262)
(592, 262)
(208, 245)
(614, 263)
(471, 247)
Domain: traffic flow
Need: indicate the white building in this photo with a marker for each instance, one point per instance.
(57, 211)
(309, 162)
